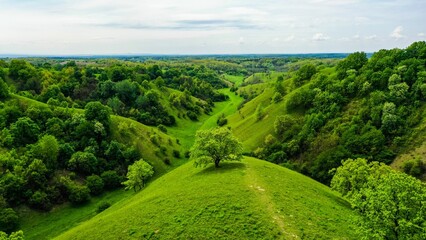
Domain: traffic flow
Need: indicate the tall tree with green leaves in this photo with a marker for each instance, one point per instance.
(137, 175)
(213, 146)
(392, 205)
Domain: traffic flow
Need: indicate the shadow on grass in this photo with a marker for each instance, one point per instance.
(223, 167)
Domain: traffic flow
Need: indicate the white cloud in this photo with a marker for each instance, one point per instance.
(241, 41)
(320, 37)
(421, 34)
(169, 26)
(289, 38)
(397, 33)
(372, 37)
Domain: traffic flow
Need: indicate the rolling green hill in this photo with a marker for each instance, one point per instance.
(251, 199)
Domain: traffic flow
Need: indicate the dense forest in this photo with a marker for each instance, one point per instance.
(57, 142)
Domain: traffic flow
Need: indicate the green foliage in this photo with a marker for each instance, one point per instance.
(137, 175)
(277, 97)
(95, 184)
(103, 206)
(4, 90)
(221, 121)
(111, 179)
(47, 148)
(24, 131)
(305, 73)
(97, 111)
(162, 128)
(8, 220)
(83, 162)
(213, 146)
(414, 167)
(40, 200)
(392, 204)
(79, 194)
(18, 235)
(260, 112)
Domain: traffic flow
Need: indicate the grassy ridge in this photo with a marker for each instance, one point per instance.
(248, 200)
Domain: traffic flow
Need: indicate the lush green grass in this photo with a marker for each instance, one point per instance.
(237, 80)
(186, 129)
(244, 123)
(248, 200)
(46, 225)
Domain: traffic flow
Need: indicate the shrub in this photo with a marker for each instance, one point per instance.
(8, 220)
(95, 184)
(166, 161)
(415, 167)
(162, 128)
(111, 179)
(40, 200)
(103, 206)
(176, 153)
(79, 194)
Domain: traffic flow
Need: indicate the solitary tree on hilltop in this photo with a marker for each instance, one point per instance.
(214, 146)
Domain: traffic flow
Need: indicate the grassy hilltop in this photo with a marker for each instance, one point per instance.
(251, 199)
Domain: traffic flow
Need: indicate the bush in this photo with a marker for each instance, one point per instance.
(95, 184)
(176, 153)
(193, 116)
(111, 179)
(415, 167)
(166, 161)
(40, 200)
(162, 128)
(221, 121)
(8, 220)
(79, 194)
(103, 206)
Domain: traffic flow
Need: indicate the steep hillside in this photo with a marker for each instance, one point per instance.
(248, 200)
(146, 139)
(318, 114)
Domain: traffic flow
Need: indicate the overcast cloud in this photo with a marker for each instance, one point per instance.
(208, 27)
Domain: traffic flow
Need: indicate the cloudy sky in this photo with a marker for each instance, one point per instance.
(208, 27)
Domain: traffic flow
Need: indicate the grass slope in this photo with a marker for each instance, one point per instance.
(186, 129)
(249, 200)
(244, 123)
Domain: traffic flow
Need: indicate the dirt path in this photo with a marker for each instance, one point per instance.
(254, 182)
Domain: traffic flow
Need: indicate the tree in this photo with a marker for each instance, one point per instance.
(47, 149)
(111, 179)
(18, 235)
(305, 73)
(97, 111)
(95, 184)
(8, 220)
(4, 89)
(392, 204)
(24, 131)
(214, 146)
(137, 174)
(83, 162)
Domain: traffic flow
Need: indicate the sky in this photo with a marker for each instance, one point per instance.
(64, 27)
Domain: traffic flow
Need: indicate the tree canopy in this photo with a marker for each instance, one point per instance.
(213, 146)
(137, 175)
(392, 205)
